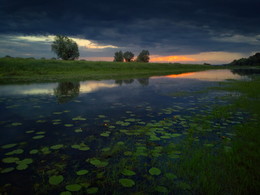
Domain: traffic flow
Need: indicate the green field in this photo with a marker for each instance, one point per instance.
(14, 70)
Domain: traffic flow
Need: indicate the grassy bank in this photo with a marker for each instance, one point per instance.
(233, 166)
(31, 70)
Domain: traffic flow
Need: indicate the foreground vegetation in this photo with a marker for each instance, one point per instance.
(233, 166)
(31, 70)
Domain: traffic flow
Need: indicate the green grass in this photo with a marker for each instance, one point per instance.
(14, 70)
(233, 167)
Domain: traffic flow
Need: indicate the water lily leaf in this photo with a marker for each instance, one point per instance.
(154, 171)
(92, 190)
(73, 187)
(128, 172)
(79, 118)
(56, 179)
(10, 159)
(7, 146)
(56, 147)
(30, 131)
(21, 167)
(18, 151)
(78, 130)
(170, 176)
(128, 153)
(127, 182)
(25, 161)
(38, 137)
(82, 172)
(34, 151)
(7, 170)
(98, 163)
(16, 124)
(68, 125)
(161, 189)
(66, 193)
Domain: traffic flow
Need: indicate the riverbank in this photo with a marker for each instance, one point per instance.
(232, 166)
(18, 70)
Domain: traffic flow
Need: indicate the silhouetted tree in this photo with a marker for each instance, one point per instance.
(143, 56)
(128, 56)
(250, 61)
(119, 56)
(65, 48)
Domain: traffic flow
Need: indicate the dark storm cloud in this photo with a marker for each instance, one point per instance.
(165, 26)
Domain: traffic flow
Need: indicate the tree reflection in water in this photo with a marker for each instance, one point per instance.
(66, 91)
(142, 81)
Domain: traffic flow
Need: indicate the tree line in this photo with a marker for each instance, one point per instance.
(250, 61)
(144, 56)
(67, 49)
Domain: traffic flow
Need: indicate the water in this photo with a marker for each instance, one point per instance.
(106, 137)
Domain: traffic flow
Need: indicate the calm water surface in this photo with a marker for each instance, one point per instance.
(106, 137)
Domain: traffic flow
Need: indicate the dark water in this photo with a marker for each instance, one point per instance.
(106, 137)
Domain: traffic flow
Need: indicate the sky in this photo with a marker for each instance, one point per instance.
(186, 31)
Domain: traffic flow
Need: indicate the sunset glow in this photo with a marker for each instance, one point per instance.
(156, 58)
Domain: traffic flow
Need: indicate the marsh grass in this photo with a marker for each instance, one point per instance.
(32, 70)
(233, 167)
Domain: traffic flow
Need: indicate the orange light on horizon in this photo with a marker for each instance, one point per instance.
(157, 58)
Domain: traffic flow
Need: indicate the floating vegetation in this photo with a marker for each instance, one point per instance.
(18, 151)
(7, 146)
(92, 190)
(154, 171)
(57, 147)
(10, 159)
(38, 137)
(127, 182)
(82, 147)
(68, 125)
(73, 187)
(98, 163)
(16, 124)
(23, 164)
(34, 151)
(127, 172)
(56, 179)
(66, 193)
(79, 118)
(7, 170)
(82, 172)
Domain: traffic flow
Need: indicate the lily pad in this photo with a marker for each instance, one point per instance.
(161, 189)
(66, 193)
(7, 146)
(82, 172)
(170, 176)
(128, 172)
(25, 161)
(92, 190)
(155, 171)
(98, 163)
(38, 137)
(10, 159)
(34, 151)
(18, 151)
(16, 124)
(68, 125)
(56, 179)
(7, 170)
(79, 118)
(78, 130)
(73, 187)
(127, 182)
(21, 167)
(56, 147)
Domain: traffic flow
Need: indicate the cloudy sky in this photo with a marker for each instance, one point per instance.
(194, 31)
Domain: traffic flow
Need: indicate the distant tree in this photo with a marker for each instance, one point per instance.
(143, 56)
(65, 48)
(7, 56)
(250, 61)
(119, 56)
(128, 56)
